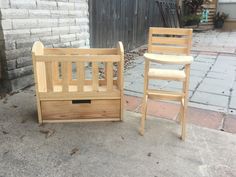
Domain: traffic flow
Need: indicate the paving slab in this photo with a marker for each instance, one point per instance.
(200, 66)
(108, 148)
(232, 104)
(210, 99)
(198, 73)
(230, 124)
(218, 75)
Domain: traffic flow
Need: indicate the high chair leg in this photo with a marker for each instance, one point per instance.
(179, 116)
(183, 123)
(144, 114)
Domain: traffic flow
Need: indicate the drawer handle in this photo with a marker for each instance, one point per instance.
(81, 101)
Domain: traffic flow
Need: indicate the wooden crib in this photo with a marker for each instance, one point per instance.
(67, 91)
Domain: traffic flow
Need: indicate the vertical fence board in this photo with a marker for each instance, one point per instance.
(122, 20)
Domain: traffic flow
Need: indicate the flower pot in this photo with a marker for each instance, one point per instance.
(219, 24)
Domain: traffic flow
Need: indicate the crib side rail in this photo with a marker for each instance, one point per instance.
(79, 51)
(58, 82)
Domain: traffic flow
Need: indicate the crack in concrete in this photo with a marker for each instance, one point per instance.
(199, 83)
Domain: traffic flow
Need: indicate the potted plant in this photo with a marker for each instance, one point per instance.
(191, 17)
(219, 19)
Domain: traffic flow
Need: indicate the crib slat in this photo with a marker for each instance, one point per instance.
(109, 75)
(49, 78)
(55, 72)
(65, 81)
(69, 71)
(80, 76)
(95, 76)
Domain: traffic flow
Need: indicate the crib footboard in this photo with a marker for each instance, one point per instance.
(75, 85)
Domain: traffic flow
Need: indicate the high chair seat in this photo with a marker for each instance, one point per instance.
(166, 74)
(169, 59)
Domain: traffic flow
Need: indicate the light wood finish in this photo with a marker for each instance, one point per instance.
(80, 76)
(82, 120)
(77, 51)
(38, 49)
(55, 71)
(169, 59)
(49, 76)
(95, 76)
(109, 76)
(120, 77)
(56, 90)
(166, 74)
(165, 95)
(168, 46)
(58, 110)
(64, 73)
(172, 41)
(80, 58)
(169, 31)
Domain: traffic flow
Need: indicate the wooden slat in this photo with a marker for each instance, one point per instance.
(76, 51)
(38, 48)
(170, 40)
(64, 73)
(166, 74)
(79, 95)
(55, 71)
(81, 58)
(169, 31)
(80, 76)
(88, 82)
(120, 77)
(41, 76)
(69, 70)
(109, 76)
(164, 95)
(150, 40)
(82, 120)
(49, 77)
(169, 49)
(95, 76)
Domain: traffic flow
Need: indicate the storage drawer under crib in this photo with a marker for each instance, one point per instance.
(81, 110)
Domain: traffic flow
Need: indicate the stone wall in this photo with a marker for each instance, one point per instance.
(57, 23)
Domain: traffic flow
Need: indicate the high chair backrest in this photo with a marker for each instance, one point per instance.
(176, 41)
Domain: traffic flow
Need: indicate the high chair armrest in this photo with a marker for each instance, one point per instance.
(169, 59)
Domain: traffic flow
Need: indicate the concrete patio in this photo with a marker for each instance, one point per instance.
(107, 149)
(116, 149)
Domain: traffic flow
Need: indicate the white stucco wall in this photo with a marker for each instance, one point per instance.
(229, 7)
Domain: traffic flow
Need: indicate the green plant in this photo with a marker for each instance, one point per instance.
(193, 19)
(191, 6)
(219, 19)
(220, 16)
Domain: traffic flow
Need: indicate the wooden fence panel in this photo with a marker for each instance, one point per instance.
(122, 20)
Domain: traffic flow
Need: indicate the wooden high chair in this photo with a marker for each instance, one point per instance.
(168, 46)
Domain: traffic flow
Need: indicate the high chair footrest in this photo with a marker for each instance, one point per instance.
(165, 95)
(166, 74)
